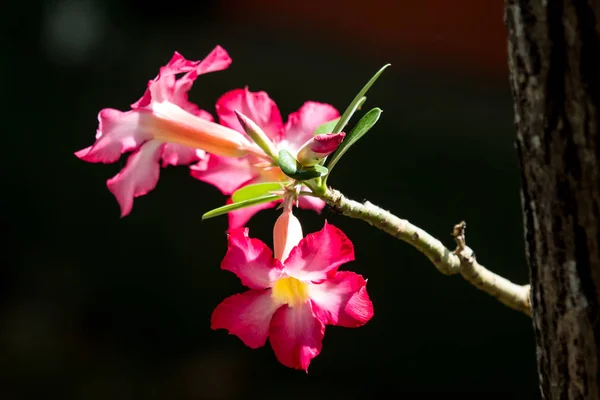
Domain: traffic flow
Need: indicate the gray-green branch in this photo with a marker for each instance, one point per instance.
(460, 261)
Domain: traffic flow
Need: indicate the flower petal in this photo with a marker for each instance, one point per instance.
(319, 254)
(226, 173)
(161, 88)
(255, 105)
(177, 154)
(246, 315)
(190, 107)
(251, 260)
(216, 60)
(203, 114)
(239, 218)
(296, 335)
(118, 132)
(139, 176)
(342, 300)
(165, 87)
(178, 64)
(302, 124)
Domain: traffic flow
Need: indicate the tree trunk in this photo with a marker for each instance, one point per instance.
(554, 60)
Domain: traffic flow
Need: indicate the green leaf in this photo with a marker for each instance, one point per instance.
(242, 204)
(357, 102)
(327, 127)
(362, 127)
(292, 168)
(256, 190)
(287, 162)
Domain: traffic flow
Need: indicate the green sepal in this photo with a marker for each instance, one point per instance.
(292, 168)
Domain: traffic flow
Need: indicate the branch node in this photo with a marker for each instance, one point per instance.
(464, 252)
(458, 233)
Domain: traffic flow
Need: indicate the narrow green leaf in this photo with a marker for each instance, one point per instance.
(356, 107)
(357, 102)
(242, 204)
(362, 127)
(327, 127)
(256, 190)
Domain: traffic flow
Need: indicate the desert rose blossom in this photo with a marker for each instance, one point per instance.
(229, 174)
(293, 295)
(163, 127)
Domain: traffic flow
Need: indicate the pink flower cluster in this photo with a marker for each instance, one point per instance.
(297, 291)
(164, 128)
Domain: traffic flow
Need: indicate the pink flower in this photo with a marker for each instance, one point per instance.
(229, 174)
(290, 302)
(162, 127)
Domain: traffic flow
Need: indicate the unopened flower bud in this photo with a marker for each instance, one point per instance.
(319, 147)
(287, 233)
(257, 135)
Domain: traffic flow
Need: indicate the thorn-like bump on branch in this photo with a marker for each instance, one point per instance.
(458, 233)
(464, 253)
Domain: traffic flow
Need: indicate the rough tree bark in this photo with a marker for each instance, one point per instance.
(554, 59)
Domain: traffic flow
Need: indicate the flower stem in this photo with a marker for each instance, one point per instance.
(460, 261)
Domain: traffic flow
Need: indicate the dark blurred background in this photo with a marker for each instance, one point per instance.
(97, 307)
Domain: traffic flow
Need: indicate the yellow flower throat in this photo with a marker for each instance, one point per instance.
(290, 291)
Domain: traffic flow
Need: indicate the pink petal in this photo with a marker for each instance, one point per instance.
(177, 154)
(178, 64)
(319, 254)
(247, 316)
(165, 87)
(203, 114)
(139, 176)
(255, 105)
(226, 173)
(251, 260)
(118, 132)
(161, 88)
(342, 300)
(311, 203)
(302, 124)
(190, 107)
(241, 217)
(216, 60)
(177, 93)
(296, 335)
